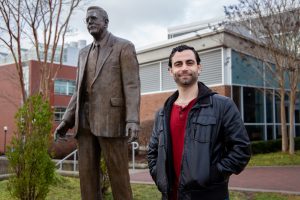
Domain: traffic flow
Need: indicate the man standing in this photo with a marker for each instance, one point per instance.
(104, 109)
(198, 138)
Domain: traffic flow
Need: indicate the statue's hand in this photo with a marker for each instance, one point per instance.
(60, 131)
(132, 130)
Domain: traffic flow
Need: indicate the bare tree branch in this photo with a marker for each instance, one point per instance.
(274, 28)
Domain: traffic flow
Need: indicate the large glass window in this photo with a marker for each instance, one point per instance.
(58, 113)
(278, 108)
(255, 132)
(270, 132)
(246, 70)
(269, 106)
(297, 131)
(297, 108)
(253, 105)
(236, 96)
(64, 87)
(271, 75)
(261, 112)
(278, 132)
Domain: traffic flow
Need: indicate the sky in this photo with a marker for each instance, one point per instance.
(145, 22)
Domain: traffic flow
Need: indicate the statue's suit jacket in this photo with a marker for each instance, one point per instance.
(114, 99)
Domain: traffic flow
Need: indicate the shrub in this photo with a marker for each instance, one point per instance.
(257, 146)
(145, 132)
(28, 156)
(270, 146)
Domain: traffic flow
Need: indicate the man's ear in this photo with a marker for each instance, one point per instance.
(170, 71)
(199, 69)
(106, 23)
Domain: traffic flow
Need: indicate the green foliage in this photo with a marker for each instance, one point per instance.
(64, 188)
(258, 147)
(264, 196)
(270, 146)
(28, 156)
(145, 132)
(275, 159)
(67, 186)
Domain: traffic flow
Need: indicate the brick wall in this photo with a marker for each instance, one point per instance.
(150, 103)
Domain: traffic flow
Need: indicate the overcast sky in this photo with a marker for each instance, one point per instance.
(146, 21)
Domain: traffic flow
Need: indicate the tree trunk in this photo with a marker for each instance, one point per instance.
(283, 121)
(45, 81)
(292, 124)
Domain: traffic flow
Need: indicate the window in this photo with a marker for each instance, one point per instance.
(297, 108)
(253, 105)
(236, 96)
(278, 108)
(168, 82)
(156, 77)
(255, 132)
(246, 70)
(64, 87)
(58, 113)
(269, 106)
(150, 77)
(211, 62)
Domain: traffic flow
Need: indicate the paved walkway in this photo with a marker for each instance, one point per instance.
(265, 179)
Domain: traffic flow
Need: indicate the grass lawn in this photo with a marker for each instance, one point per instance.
(68, 188)
(275, 159)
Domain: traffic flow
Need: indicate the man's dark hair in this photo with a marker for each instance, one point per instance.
(101, 11)
(181, 48)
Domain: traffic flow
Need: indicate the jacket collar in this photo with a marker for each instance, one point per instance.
(103, 41)
(203, 99)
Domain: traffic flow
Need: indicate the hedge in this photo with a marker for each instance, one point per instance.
(270, 146)
(257, 146)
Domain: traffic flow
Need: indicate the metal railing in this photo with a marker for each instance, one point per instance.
(74, 153)
(135, 146)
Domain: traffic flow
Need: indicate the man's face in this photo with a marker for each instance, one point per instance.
(185, 68)
(95, 22)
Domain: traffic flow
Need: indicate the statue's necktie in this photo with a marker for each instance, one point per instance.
(92, 64)
(94, 59)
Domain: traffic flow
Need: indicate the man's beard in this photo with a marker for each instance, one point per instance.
(186, 79)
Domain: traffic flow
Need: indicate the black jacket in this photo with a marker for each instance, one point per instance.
(216, 145)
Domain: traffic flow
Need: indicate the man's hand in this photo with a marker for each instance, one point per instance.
(60, 131)
(132, 130)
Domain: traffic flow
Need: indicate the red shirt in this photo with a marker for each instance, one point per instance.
(178, 122)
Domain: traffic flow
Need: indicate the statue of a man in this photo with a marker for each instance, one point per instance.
(104, 110)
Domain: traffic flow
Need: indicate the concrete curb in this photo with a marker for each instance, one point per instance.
(74, 174)
(4, 176)
(138, 165)
(263, 190)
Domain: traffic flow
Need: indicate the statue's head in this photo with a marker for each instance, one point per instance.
(96, 21)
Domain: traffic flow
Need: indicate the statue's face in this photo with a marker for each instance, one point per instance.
(95, 22)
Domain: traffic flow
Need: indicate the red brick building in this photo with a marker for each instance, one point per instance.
(10, 94)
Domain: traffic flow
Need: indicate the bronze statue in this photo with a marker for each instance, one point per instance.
(104, 110)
